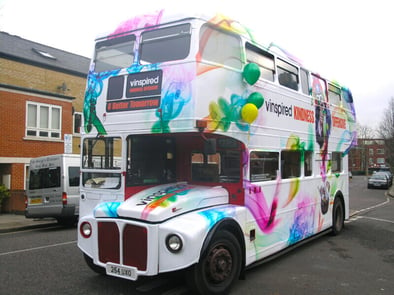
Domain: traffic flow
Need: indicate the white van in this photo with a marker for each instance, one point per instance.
(53, 188)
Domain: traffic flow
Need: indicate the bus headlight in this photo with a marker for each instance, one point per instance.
(174, 243)
(85, 229)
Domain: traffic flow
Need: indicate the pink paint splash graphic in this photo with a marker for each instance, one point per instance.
(147, 20)
(263, 212)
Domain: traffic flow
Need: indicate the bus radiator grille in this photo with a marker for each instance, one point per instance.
(135, 246)
(108, 242)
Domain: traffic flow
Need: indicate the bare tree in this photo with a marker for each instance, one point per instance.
(386, 131)
(365, 132)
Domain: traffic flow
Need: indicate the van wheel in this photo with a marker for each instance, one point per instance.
(338, 217)
(219, 266)
(92, 266)
(67, 221)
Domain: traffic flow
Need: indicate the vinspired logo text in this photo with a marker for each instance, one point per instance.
(279, 109)
(144, 82)
(298, 113)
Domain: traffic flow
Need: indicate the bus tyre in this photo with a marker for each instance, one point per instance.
(219, 266)
(338, 217)
(92, 266)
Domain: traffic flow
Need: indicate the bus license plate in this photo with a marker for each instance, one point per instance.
(124, 272)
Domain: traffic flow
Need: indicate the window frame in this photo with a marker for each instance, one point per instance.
(285, 164)
(335, 156)
(75, 123)
(205, 36)
(256, 158)
(169, 39)
(286, 69)
(253, 53)
(114, 44)
(39, 132)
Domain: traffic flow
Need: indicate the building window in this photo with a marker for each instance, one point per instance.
(77, 123)
(43, 120)
(380, 151)
(380, 161)
(371, 152)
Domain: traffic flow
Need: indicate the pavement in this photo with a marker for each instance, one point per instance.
(10, 222)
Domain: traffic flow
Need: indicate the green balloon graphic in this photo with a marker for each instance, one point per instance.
(251, 73)
(256, 98)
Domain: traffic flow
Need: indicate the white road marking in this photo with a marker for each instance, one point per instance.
(377, 219)
(37, 248)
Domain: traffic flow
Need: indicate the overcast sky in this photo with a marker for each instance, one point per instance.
(348, 41)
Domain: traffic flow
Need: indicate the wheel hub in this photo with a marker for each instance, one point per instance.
(220, 264)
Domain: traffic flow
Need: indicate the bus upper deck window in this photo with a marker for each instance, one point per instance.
(220, 47)
(287, 74)
(114, 53)
(165, 44)
(263, 59)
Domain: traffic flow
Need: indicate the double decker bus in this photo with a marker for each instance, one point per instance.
(204, 151)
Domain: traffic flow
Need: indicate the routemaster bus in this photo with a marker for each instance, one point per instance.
(205, 151)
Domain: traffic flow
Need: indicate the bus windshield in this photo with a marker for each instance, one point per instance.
(102, 154)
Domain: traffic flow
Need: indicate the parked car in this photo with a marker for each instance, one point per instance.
(389, 174)
(379, 180)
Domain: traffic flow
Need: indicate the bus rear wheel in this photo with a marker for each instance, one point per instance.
(338, 217)
(219, 267)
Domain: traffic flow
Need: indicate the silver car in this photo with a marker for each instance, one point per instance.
(379, 180)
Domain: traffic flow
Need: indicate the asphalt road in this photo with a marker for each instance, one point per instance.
(359, 261)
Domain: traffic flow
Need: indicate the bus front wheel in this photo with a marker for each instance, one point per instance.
(219, 267)
(92, 266)
(338, 217)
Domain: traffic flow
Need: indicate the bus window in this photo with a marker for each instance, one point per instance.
(290, 164)
(114, 53)
(304, 82)
(308, 163)
(287, 74)
(263, 59)
(334, 95)
(219, 47)
(151, 160)
(263, 166)
(319, 90)
(166, 44)
(205, 170)
(336, 162)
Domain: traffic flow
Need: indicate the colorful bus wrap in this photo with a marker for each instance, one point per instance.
(205, 151)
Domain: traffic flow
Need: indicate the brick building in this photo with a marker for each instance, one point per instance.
(41, 100)
(369, 154)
